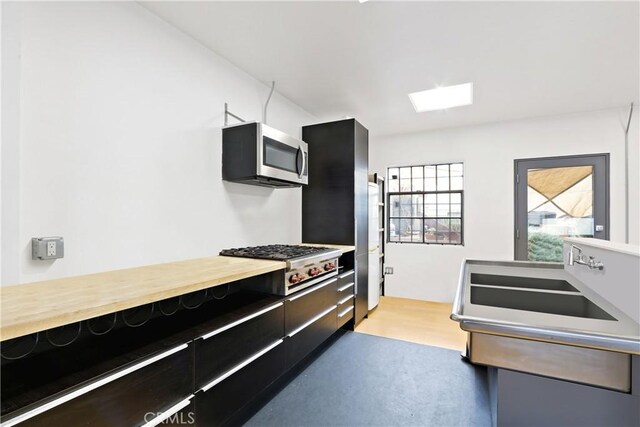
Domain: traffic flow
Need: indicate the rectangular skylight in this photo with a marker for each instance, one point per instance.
(441, 98)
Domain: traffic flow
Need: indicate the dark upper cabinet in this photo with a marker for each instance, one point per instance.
(335, 202)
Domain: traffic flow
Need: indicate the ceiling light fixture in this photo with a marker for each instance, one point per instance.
(362, 1)
(443, 97)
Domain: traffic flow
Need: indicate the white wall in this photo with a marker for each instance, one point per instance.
(115, 143)
(488, 151)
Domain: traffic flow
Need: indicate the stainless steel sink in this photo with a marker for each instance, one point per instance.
(521, 282)
(542, 302)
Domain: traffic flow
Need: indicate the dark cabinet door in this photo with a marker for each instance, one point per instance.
(335, 203)
(310, 337)
(301, 307)
(235, 343)
(216, 405)
(327, 201)
(138, 393)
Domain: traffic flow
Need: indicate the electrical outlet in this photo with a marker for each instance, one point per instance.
(51, 249)
(388, 270)
(43, 248)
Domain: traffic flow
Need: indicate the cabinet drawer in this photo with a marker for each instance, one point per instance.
(344, 302)
(305, 339)
(345, 313)
(222, 349)
(346, 282)
(225, 396)
(130, 396)
(307, 304)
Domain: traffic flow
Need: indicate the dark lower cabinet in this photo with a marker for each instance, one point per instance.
(214, 406)
(308, 303)
(306, 340)
(345, 298)
(221, 350)
(132, 399)
(224, 365)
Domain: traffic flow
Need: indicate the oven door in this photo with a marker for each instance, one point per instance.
(282, 156)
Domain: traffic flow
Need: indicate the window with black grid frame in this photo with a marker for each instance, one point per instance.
(425, 204)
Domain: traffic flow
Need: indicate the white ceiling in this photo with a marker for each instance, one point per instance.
(526, 59)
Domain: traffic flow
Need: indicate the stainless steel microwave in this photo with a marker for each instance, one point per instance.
(254, 153)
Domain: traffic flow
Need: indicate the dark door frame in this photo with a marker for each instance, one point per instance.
(600, 163)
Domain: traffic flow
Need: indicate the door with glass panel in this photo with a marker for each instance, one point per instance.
(559, 197)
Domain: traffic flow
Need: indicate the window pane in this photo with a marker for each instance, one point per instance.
(455, 233)
(417, 172)
(416, 230)
(393, 173)
(405, 206)
(430, 210)
(456, 169)
(405, 230)
(405, 185)
(456, 198)
(417, 205)
(456, 183)
(456, 210)
(442, 231)
(394, 205)
(443, 209)
(443, 170)
(429, 184)
(443, 183)
(430, 231)
(443, 198)
(417, 184)
(405, 173)
(430, 198)
(394, 226)
(430, 171)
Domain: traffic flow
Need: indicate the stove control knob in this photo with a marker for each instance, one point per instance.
(314, 271)
(296, 278)
(329, 266)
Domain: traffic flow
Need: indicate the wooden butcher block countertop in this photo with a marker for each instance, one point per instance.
(34, 307)
(37, 306)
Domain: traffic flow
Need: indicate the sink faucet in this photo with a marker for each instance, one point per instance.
(591, 262)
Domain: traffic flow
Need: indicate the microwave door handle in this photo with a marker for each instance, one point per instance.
(301, 153)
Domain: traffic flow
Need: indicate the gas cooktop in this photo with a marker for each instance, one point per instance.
(276, 252)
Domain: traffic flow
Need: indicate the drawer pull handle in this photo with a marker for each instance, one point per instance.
(240, 366)
(90, 387)
(348, 273)
(345, 287)
(345, 312)
(347, 298)
(315, 319)
(308, 291)
(169, 412)
(239, 321)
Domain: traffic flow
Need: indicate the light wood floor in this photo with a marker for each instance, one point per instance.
(422, 322)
